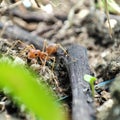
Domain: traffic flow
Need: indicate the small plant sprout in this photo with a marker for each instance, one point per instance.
(90, 79)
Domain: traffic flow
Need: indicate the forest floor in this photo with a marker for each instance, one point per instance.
(66, 24)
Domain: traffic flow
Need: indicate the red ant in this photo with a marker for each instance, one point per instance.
(45, 55)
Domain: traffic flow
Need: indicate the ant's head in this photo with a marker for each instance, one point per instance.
(33, 53)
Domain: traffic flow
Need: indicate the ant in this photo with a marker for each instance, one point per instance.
(45, 55)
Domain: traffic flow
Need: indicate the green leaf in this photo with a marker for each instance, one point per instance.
(90, 79)
(112, 6)
(34, 95)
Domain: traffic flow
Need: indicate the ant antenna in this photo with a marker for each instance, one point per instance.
(44, 45)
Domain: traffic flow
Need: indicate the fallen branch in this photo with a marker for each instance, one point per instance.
(17, 33)
(77, 66)
(33, 16)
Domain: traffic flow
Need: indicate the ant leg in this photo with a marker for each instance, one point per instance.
(60, 46)
(43, 62)
(56, 82)
(65, 51)
(28, 47)
(32, 46)
(14, 44)
(44, 45)
(53, 65)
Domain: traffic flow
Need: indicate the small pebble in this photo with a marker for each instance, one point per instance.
(35, 66)
(18, 61)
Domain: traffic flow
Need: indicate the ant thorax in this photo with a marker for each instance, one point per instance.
(43, 55)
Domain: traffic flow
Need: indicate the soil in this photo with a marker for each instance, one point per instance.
(69, 23)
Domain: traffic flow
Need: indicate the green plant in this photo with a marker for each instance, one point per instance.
(109, 6)
(36, 96)
(90, 79)
(112, 6)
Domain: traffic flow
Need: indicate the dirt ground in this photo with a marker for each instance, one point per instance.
(65, 23)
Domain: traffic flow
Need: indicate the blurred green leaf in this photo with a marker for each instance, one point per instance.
(34, 95)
